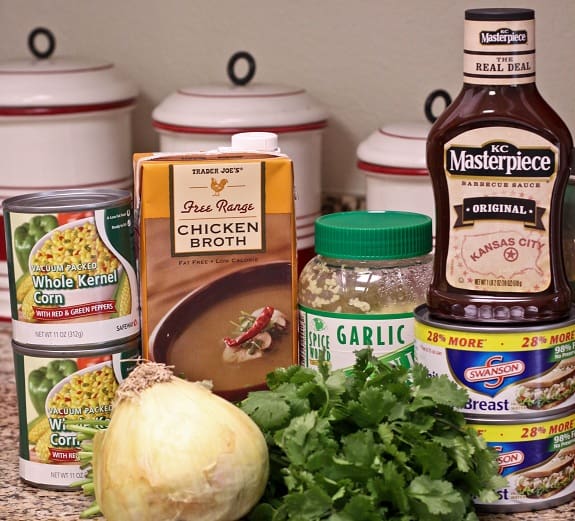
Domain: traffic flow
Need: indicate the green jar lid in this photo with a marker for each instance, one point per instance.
(364, 235)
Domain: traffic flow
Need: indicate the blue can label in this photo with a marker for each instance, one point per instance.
(537, 459)
(514, 373)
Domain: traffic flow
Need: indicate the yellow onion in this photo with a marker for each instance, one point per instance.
(176, 451)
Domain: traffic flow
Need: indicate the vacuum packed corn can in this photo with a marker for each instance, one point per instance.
(57, 389)
(71, 267)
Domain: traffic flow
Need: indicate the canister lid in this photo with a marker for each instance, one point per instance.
(399, 145)
(400, 148)
(365, 235)
(46, 85)
(239, 106)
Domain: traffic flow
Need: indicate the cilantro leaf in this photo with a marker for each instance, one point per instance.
(436, 497)
(269, 411)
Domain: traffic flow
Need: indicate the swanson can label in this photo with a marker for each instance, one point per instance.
(537, 458)
(507, 372)
(72, 273)
(335, 337)
(59, 389)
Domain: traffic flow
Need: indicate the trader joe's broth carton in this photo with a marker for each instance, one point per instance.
(218, 270)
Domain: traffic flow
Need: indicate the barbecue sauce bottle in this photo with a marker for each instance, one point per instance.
(498, 157)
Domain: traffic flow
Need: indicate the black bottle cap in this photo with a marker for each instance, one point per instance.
(499, 14)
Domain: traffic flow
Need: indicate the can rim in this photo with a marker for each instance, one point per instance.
(66, 200)
(77, 351)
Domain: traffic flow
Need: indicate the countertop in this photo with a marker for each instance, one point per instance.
(21, 502)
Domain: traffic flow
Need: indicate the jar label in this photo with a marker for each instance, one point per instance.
(500, 183)
(336, 337)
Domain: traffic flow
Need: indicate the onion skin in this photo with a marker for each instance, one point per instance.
(178, 452)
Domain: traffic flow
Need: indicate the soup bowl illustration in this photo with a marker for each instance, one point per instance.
(231, 331)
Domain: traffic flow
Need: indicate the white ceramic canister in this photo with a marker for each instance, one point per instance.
(392, 158)
(65, 122)
(205, 117)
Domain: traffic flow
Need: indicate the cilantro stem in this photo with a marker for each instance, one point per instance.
(103, 423)
(452, 425)
(82, 429)
(88, 488)
(91, 511)
(80, 483)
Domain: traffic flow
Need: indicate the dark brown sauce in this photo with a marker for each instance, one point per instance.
(502, 106)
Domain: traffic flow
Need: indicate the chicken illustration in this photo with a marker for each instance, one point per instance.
(218, 186)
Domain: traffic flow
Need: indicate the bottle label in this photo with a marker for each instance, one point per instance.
(500, 183)
(335, 337)
(499, 53)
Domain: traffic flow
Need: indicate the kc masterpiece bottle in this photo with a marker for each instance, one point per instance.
(499, 163)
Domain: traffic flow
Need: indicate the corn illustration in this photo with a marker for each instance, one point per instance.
(77, 245)
(37, 429)
(28, 306)
(85, 391)
(23, 286)
(123, 297)
(43, 447)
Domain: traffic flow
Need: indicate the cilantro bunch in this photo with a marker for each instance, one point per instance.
(378, 443)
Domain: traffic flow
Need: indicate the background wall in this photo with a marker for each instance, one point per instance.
(370, 62)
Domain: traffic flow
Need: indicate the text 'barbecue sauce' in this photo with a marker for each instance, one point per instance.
(499, 163)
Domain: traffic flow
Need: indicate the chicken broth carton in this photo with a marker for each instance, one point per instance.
(218, 270)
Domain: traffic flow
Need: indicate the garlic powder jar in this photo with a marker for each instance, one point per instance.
(372, 269)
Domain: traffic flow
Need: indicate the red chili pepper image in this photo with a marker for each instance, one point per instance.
(259, 324)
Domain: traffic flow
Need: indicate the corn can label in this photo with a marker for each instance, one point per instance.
(514, 373)
(72, 276)
(56, 394)
(537, 458)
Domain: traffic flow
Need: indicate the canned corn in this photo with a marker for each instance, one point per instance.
(508, 372)
(55, 387)
(71, 267)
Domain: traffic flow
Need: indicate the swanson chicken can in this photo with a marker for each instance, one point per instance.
(72, 268)
(537, 459)
(57, 390)
(508, 372)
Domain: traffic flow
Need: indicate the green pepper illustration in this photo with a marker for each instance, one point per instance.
(28, 234)
(41, 381)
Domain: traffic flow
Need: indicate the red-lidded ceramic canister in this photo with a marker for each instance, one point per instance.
(206, 116)
(392, 158)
